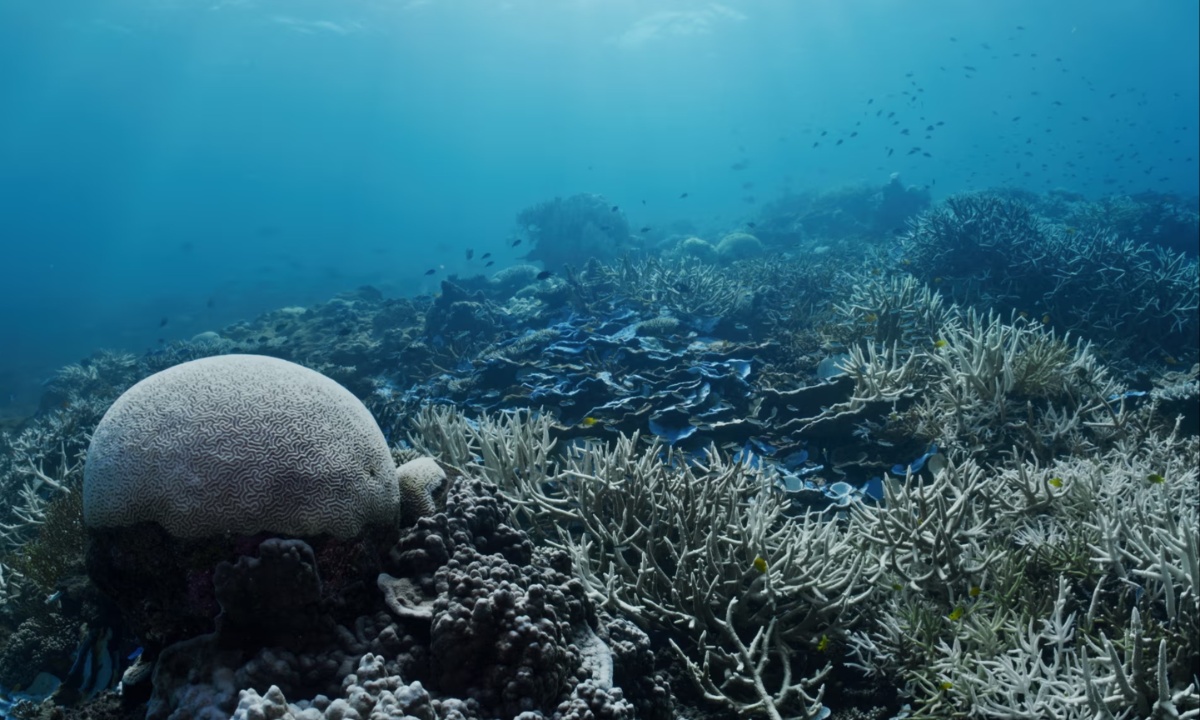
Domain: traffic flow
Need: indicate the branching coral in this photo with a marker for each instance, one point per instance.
(1137, 300)
(700, 550)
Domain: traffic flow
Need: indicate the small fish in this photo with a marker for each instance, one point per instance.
(615, 208)
(750, 225)
(210, 303)
(937, 280)
(969, 68)
(1071, 231)
(485, 256)
(589, 421)
(759, 564)
(839, 142)
(470, 253)
(544, 274)
(516, 242)
(163, 322)
(1170, 360)
(430, 271)
(646, 229)
(823, 644)
(870, 317)
(957, 613)
(682, 196)
(940, 343)
(489, 263)
(1046, 319)
(975, 591)
(1155, 479)
(946, 685)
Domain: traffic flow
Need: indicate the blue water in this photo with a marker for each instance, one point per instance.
(195, 162)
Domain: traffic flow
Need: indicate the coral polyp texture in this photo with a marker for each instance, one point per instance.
(239, 444)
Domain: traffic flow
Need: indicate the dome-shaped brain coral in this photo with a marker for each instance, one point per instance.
(739, 246)
(239, 444)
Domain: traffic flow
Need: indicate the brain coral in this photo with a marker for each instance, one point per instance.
(739, 246)
(239, 444)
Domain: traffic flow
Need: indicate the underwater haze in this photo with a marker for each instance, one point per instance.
(168, 167)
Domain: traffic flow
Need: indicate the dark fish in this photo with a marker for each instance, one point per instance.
(470, 253)
(816, 144)
(645, 229)
(969, 68)
(890, 151)
(739, 165)
(615, 208)
(824, 133)
(750, 225)
(210, 303)
(544, 274)
(430, 271)
(904, 131)
(854, 134)
(839, 142)
(489, 263)
(871, 101)
(516, 242)
(485, 256)
(163, 322)
(682, 196)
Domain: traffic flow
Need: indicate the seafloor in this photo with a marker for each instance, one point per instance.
(863, 458)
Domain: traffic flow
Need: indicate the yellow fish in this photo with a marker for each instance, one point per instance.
(975, 591)
(871, 317)
(823, 644)
(588, 421)
(760, 564)
(1046, 319)
(957, 613)
(946, 685)
(1055, 482)
(1155, 479)
(940, 343)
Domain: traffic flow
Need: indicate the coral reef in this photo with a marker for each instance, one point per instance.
(853, 476)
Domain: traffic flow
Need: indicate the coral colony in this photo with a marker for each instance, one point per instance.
(814, 467)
